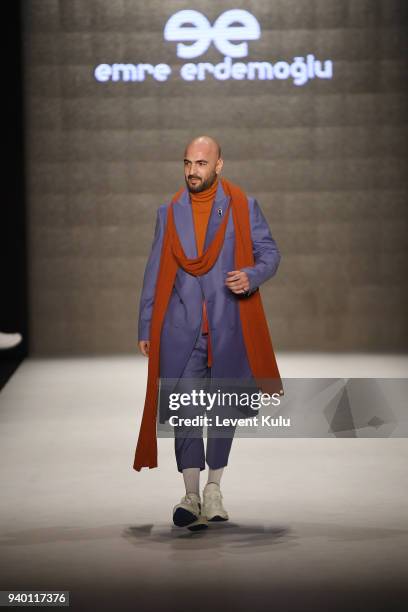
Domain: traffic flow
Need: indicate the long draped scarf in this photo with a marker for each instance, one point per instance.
(255, 329)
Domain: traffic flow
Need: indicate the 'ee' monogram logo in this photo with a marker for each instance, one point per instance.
(221, 33)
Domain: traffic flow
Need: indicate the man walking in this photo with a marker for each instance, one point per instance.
(201, 314)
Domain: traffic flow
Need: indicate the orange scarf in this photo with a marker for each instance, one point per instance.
(255, 329)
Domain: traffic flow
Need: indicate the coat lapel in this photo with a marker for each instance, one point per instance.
(220, 202)
(183, 218)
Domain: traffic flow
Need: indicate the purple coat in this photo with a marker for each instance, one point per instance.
(182, 322)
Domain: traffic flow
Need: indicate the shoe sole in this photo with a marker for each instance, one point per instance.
(199, 524)
(217, 518)
(183, 518)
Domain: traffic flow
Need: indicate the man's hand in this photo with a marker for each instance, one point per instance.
(237, 281)
(144, 346)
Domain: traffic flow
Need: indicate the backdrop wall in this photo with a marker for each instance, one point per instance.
(326, 160)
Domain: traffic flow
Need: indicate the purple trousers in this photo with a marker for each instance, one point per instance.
(190, 450)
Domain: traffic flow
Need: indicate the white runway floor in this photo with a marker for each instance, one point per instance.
(316, 524)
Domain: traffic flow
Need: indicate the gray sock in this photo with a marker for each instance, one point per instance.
(192, 480)
(215, 475)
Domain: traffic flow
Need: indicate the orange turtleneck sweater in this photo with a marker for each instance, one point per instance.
(201, 204)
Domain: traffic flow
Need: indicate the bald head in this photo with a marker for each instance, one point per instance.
(202, 163)
(205, 142)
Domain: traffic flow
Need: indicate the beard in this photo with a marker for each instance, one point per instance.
(202, 185)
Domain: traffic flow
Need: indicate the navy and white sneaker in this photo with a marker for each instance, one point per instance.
(188, 513)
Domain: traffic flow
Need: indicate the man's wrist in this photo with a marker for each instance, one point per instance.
(250, 291)
(251, 274)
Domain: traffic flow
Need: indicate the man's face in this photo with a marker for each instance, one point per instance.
(201, 167)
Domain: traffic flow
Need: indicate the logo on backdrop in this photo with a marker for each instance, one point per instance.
(221, 34)
(229, 34)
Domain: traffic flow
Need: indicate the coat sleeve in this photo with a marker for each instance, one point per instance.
(150, 277)
(265, 249)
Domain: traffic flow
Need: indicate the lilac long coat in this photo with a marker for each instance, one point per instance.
(182, 322)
